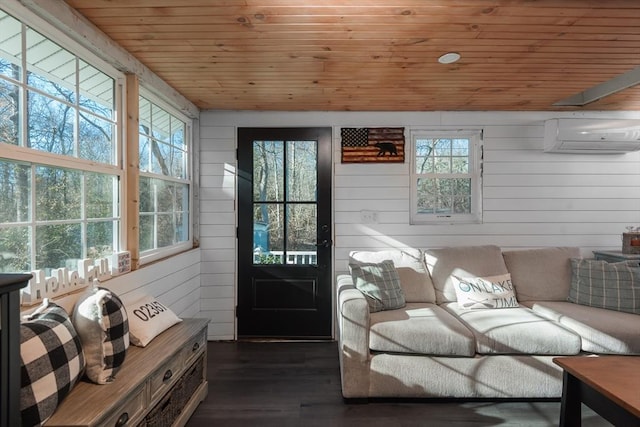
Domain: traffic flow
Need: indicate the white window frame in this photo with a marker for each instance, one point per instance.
(153, 255)
(475, 173)
(34, 157)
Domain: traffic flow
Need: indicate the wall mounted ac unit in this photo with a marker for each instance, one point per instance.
(591, 136)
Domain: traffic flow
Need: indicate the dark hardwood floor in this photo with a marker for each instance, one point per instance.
(298, 384)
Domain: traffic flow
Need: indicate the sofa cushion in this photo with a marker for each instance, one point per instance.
(615, 286)
(414, 277)
(420, 328)
(477, 293)
(380, 284)
(603, 331)
(516, 331)
(463, 261)
(541, 274)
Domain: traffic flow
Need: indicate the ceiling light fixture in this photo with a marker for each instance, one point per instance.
(449, 58)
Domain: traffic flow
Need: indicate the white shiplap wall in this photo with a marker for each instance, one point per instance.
(531, 198)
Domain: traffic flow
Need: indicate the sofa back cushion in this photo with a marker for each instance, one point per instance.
(463, 261)
(541, 274)
(414, 277)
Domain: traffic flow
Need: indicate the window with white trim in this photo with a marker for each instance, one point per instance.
(60, 153)
(446, 174)
(165, 179)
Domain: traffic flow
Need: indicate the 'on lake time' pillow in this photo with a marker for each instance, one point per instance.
(379, 282)
(148, 318)
(485, 292)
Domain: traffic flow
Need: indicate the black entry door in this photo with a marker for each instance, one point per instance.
(284, 233)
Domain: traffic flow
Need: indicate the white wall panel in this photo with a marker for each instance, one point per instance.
(218, 229)
(531, 198)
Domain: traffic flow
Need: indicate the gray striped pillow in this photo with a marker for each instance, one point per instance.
(597, 283)
(379, 282)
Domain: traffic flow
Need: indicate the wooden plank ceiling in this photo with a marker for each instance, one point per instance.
(379, 55)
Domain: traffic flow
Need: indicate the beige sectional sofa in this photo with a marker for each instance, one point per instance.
(432, 347)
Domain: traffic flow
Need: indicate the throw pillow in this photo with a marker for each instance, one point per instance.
(102, 324)
(597, 283)
(485, 292)
(379, 282)
(148, 318)
(51, 362)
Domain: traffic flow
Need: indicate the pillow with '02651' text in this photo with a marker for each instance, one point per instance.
(148, 318)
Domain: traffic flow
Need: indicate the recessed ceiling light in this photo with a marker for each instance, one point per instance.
(449, 58)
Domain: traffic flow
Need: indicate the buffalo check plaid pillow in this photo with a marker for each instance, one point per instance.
(103, 326)
(52, 361)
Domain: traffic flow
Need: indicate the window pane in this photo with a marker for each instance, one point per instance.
(302, 231)
(96, 139)
(442, 165)
(15, 250)
(51, 68)
(146, 237)
(58, 194)
(460, 165)
(424, 159)
(442, 147)
(96, 91)
(100, 239)
(144, 143)
(171, 197)
(462, 204)
(176, 162)
(159, 156)
(460, 147)
(9, 111)
(164, 213)
(426, 195)
(58, 246)
(268, 181)
(15, 197)
(177, 133)
(147, 195)
(301, 171)
(166, 231)
(50, 125)
(268, 233)
(161, 124)
(10, 43)
(101, 190)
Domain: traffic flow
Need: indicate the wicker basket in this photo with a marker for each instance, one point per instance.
(170, 407)
(631, 243)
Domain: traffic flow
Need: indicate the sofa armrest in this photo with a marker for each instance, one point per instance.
(353, 338)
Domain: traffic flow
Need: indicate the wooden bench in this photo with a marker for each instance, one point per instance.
(160, 384)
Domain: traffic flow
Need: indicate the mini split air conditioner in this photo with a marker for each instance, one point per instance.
(591, 136)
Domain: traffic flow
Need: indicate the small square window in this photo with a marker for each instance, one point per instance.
(446, 177)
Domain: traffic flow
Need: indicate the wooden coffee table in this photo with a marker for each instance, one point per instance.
(610, 385)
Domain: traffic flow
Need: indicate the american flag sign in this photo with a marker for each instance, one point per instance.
(372, 145)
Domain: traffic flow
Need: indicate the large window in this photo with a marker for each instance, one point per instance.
(165, 179)
(60, 168)
(446, 177)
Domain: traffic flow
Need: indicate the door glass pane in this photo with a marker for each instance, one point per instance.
(301, 171)
(268, 176)
(268, 233)
(301, 234)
